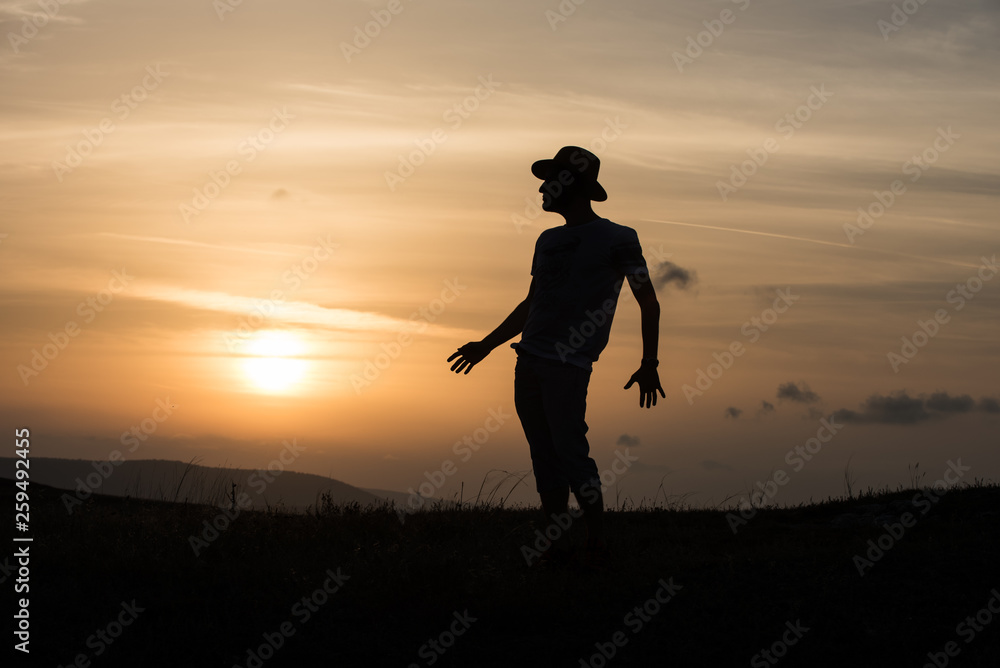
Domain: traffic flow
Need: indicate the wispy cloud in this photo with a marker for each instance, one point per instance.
(16, 9)
(819, 242)
(288, 312)
(196, 244)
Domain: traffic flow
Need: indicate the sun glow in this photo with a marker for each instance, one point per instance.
(275, 367)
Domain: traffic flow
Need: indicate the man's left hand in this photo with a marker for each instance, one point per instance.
(649, 384)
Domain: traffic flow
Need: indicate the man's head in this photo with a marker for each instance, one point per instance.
(569, 179)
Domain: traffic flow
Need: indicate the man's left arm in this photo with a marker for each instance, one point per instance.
(649, 309)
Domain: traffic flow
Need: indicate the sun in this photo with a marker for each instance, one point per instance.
(274, 367)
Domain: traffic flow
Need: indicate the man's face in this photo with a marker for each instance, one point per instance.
(560, 191)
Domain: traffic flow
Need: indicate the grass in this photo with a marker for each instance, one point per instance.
(407, 580)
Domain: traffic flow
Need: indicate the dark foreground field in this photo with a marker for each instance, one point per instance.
(117, 582)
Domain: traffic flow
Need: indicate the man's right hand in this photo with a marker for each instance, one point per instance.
(469, 355)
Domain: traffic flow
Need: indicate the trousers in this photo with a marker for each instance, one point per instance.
(550, 398)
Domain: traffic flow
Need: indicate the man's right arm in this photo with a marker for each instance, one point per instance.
(513, 324)
(474, 352)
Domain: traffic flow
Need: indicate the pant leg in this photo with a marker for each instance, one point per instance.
(551, 400)
(530, 406)
(565, 400)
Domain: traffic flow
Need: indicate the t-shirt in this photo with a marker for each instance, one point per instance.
(579, 272)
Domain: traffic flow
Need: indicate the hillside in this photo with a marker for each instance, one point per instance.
(876, 581)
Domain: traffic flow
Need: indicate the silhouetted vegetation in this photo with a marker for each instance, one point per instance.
(406, 580)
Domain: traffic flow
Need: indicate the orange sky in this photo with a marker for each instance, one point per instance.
(256, 212)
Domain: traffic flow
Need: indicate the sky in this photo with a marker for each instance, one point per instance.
(227, 226)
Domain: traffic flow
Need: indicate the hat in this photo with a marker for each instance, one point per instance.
(580, 162)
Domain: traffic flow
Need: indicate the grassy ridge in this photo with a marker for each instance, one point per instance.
(406, 582)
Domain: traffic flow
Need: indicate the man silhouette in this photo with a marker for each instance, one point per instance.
(577, 273)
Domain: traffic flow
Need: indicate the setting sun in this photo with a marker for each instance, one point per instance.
(274, 366)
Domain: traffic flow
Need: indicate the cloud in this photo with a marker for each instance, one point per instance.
(733, 412)
(28, 9)
(628, 441)
(667, 272)
(199, 244)
(793, 392)
(290, 312)
(712, 465)
(901, 408)
(766, 407)
(942, 402)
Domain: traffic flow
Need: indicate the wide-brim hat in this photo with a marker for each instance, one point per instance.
(580, 162)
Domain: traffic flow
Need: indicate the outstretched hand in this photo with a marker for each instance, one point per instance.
(649, 384)
(469, 355)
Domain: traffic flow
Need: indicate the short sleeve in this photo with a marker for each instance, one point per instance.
(626, 254)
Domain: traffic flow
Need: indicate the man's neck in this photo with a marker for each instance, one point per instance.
(580, 216)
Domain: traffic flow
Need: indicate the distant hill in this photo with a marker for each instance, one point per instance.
(177, 481)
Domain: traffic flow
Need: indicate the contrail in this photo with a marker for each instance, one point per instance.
(763, 234)
(816, 241)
